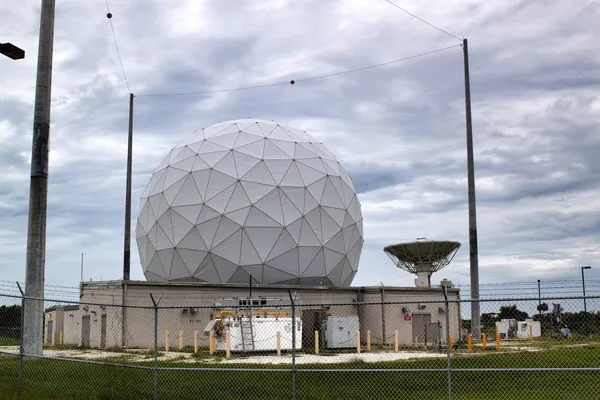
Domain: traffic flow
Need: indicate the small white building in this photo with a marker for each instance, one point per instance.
(529, 328)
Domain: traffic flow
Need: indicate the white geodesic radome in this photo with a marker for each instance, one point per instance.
(250, 199)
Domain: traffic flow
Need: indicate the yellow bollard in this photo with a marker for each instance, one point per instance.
(195, 342)
(211, 343)
(368, 340)
(450, 342)
(497, 341)
(358, 341)
(180, 340)
(167, 341)
(316, 342)
(531, 332)
(484, 340)
(278, 344)
(497, 330)
(396, 341)
(60, 337)
(469, 343)
(53, 337)
(227, 345)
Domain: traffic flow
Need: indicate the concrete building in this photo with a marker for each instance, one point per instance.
(416, 312)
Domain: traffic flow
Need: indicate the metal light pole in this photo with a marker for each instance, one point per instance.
(473, 253)
(33, 322)
(583, 284)
(127, 239)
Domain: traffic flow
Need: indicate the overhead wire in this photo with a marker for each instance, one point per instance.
(297, 80)
(112, 28)
(422, 20)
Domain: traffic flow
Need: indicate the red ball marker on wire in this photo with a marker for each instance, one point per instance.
(109, 15)
(292, 81)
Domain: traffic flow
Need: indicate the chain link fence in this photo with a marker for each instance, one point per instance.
(546, 348)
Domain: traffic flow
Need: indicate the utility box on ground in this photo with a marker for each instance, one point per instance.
(341, 331)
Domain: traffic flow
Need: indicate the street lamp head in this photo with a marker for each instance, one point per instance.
(586, 267)
(12, 51)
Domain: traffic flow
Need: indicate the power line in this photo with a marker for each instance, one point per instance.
(109, 15)
(297, 80)
(422, 20)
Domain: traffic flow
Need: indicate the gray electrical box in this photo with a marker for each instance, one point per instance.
(341, 331)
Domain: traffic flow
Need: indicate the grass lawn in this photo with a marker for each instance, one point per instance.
(50, 379)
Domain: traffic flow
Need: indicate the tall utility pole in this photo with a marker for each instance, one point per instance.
(127, 244)
(473, 253)
(33, 313)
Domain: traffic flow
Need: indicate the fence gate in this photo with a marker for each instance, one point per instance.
(85, 331)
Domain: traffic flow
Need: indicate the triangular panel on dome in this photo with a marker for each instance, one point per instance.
(314, 221)
(283, 244)
(181, 226)
(151, 183)
(172, 190)
(239, 216)
(328, 226)
(290, 212)
(331, 167)
(322, 150)
(314, 163)
(355, 238)
(335, 275)
(246, 137)
(199, 164)
(208, 229)
(316, 266)
(165, 227)
(241, 276)
(192, 241)
(347, 270)
(354, 254)
(297, 135)
(166, 259)
(147, 217)
(332, 258)
(336, 214)
(185, 153)
(156, 267)
(254, 149)
(195, 143)
(214, 157)
(348, 232)
(266, 127)
(153, 277)
(227, 165)
(296, 196)
(336, 243)
(316, 281)
(263, 239)
(188, 194)
(257, 218)
(306, 255)
(331, 198)
(273, 152)
(139, 230)
(159, 185)
(308, 237)
(278, 168)
(353, 208)
(205, 214)
(294, 230)
(301, 153)
(191, 258)
(259, 174)
(225, 139)
(186, 164)
(288, 147)
(273, 276)
(242, 124)
(153, 235)
(256, 191)
(210, 147)
(349, 280)
(255, 271)
(292, 177)
(288, 262)
(201, 179)
(248, 253)
(163, 164)
(277, 132)
(225, 269)
(253, 129)
(142, 245)
(238, 199)
(230, 247)
(163, 206)
(226, 228)
(359, 225)
(244, 162)
(270, 204)
(309, 175)
(206, 271)
(310, 203)
(347, 220)
(172, 176)
(316, 189)
(346, 177)
(218, 182)
(220, 200)
(179, 269)
(216, 128)
(338, 183)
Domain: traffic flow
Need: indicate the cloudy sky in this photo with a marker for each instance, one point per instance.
(399, 130)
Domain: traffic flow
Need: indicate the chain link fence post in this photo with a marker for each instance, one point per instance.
(21, 340)
(448, 342)
(155, 345)
(293, 345)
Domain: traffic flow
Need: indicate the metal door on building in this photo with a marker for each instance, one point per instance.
(85, 331)
(420, 323)
(312, 320)
(50, 328)
(103, 331)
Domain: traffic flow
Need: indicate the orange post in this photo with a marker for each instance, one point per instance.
(195, 342)
(470, 342)
(278, 344)
(167, 341)
(450, 342)
(60, 337)
(484, 340)
(316, 342)
(211, 343)
(396, 341)
(531, 332)
(497, 341)
(180, 340)
(358, 341)
(368, 340)
(227, 345)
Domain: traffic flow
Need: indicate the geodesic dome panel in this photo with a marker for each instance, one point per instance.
(250, 200)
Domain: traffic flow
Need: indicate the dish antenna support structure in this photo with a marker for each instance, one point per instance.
(423, 257)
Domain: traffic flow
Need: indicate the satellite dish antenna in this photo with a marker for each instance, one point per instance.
(422, 257)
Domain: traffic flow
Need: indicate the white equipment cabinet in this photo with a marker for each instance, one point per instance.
(341, 331)
(263, 333)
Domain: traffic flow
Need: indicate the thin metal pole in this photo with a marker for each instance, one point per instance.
(21, 344)
(293, 345)
(155, 345)
(127, 239)
(33, 324)
(473, 253)
(81, 268)
(540, 301)
(448, 343)
(583, 284)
